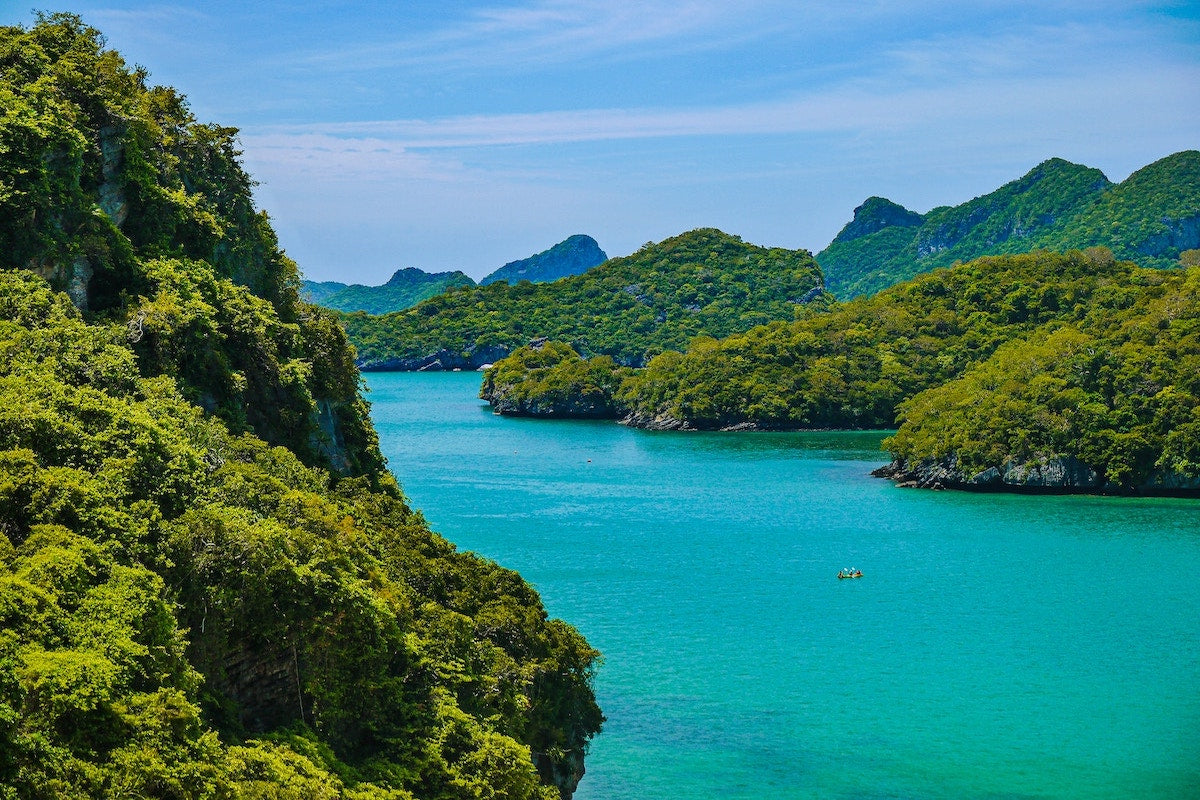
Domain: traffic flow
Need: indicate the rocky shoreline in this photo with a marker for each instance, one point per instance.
(439, 361)
(1052, 475)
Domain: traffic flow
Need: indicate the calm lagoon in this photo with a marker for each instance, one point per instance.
(998, 646)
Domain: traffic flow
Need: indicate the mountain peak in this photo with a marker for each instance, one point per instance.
(875, 214)
(573, 255)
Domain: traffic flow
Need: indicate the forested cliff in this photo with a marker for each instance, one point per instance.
(209, 584)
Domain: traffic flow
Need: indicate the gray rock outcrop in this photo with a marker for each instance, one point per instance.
(1056, 474)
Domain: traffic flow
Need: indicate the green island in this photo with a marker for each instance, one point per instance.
(212, 587)
(1069, 372)
(703, 282)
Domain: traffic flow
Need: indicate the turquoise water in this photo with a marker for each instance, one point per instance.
(996, 647)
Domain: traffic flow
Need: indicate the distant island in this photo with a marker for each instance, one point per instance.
(404, 289)
(409, 286)
(1072, 372)
(700, 283)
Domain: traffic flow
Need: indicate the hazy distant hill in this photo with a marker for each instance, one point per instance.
(703, 282)
(404, 289)
(1149, 218)
(318, 291)
(410, 286)
(573, 256)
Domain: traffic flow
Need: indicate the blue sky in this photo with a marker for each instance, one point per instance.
(462, 135)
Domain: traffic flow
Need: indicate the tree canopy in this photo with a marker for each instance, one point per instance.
(211, 586)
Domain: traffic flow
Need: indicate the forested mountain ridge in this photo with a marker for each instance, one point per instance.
(849, 366)
(209, 584)
(1110, 402)
(1149, 218)
(404, 289)
(631, 308)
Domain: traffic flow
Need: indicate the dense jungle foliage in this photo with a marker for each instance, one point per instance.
(1149, 218)
(210, 587)
(632, 308)
(1118, 390)
(1006, 359)
(850, 366)
(404, 289)
(552, 380)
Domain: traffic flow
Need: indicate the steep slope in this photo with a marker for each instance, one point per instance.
(1149, 218)
(404, 289)
(701, 282)
(209, 584)
(572, 256)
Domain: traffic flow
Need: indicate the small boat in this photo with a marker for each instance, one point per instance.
(850, 573)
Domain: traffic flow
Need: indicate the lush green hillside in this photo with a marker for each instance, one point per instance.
(572, 256)
(316, 291)
(1109, 402)
(404, 289)
(1149, 218)
(659, 298)
(1067, 372)
(849, 366)
(209, 585)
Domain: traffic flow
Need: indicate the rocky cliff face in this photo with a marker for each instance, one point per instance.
(575, 407)
(1055, 475)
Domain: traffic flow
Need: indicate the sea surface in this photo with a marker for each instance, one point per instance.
(997, 646)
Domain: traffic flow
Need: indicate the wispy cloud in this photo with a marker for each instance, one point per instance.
(865, 107)
(546, 32)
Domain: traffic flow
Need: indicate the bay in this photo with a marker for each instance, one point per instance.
(998, 646)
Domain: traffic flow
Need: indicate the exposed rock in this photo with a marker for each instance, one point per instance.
(1059, 475)
(442, 360)
(1180, 234)
(1052, 473)
(79, 281)
(112, 195)
(564, 774)
(330, 442)
(585, 407)
(75, 280)
(661, 422)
